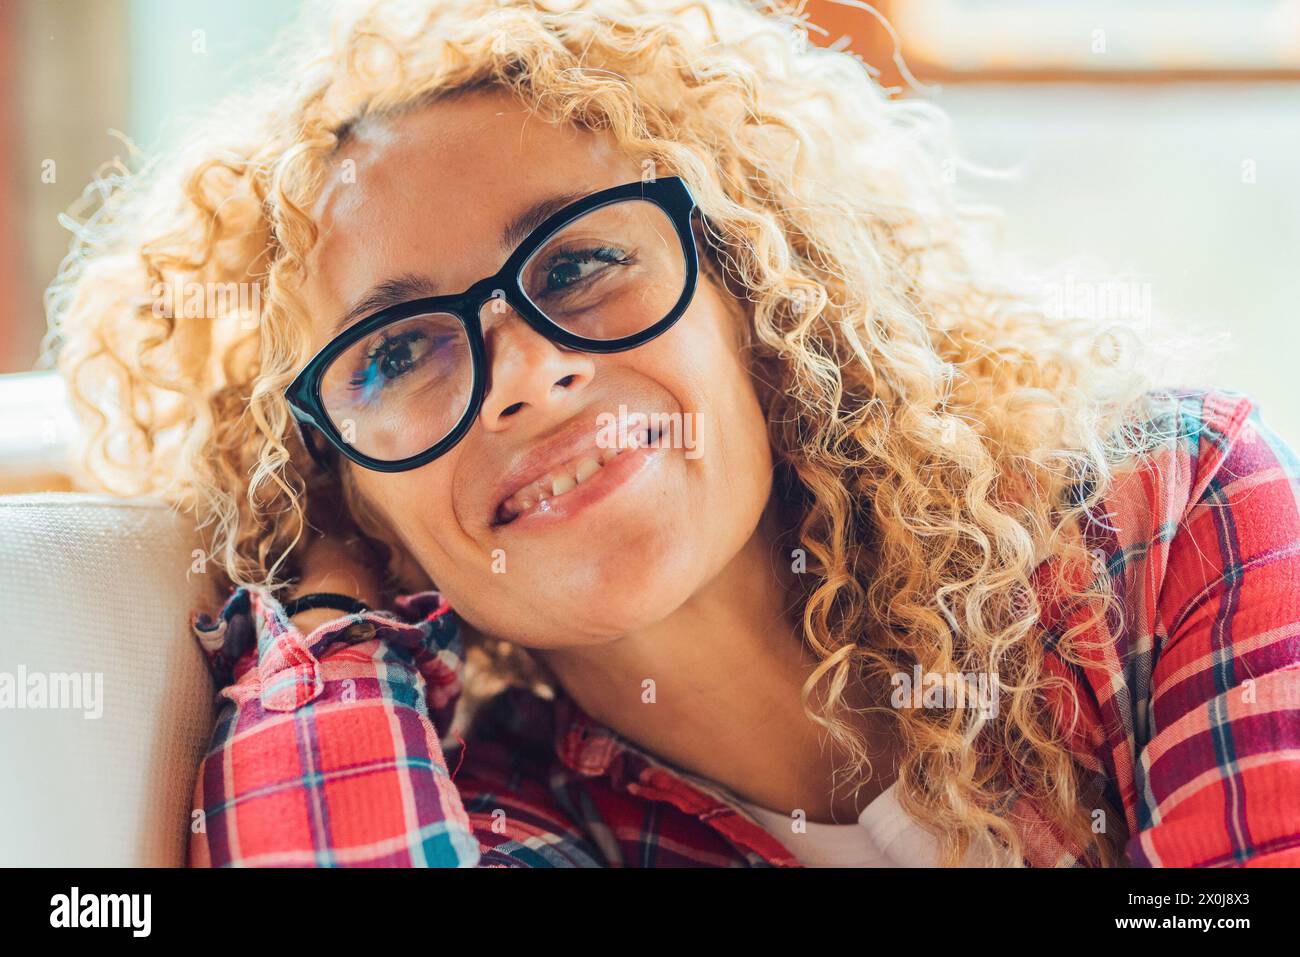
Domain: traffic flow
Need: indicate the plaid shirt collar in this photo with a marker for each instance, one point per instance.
(593, 750)
(583, 744)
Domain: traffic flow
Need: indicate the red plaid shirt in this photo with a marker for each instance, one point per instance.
(330, 748)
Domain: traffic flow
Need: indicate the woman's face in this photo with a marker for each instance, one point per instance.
(428, 195)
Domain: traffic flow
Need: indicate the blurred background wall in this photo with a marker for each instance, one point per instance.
(79, 79)
(1160, 139)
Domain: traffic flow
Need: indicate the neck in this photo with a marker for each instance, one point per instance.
(727, 669)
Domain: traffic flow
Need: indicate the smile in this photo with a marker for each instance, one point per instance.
(584, 478)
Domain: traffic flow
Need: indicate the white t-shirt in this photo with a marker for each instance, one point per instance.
(884, 836)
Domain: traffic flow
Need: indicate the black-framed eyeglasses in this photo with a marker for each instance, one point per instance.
(606, 273)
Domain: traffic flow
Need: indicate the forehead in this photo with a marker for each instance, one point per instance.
(430, 191)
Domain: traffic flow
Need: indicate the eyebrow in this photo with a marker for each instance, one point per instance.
(408, 286)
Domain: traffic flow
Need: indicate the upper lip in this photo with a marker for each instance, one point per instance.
(531, 464)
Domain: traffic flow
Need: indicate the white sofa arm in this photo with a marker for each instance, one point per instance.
(37, 432)
(99, 589)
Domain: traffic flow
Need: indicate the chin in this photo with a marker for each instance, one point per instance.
(593, 559)
(610, 599)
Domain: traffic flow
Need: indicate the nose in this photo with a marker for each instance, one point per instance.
(529, 375)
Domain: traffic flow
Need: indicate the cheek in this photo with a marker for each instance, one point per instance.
(417, 508)
(729, 472)
(712, 376)
(698, 360)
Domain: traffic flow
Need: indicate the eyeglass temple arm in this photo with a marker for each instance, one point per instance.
(305, 430)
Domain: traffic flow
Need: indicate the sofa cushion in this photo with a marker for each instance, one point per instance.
(99, 587)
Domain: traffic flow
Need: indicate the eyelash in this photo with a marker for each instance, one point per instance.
(357, 383)
(605, 254)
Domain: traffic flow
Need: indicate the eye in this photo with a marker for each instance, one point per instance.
(569, 268)
(392, 358)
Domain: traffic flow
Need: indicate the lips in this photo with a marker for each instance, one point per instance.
(556, 468)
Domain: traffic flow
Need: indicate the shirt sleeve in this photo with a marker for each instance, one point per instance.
(1217, 776)
(327, 746)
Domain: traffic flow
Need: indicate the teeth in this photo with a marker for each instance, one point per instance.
(557, 483)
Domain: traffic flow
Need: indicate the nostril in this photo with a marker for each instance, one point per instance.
(511, 410)
(566, 381)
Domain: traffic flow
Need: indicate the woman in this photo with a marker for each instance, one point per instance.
(639, 354)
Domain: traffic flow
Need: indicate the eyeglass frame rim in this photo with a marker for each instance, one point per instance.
(669, 193)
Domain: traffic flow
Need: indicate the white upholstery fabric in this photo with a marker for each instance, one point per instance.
(91, 583)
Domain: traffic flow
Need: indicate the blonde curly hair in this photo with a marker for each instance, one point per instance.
(939, 434)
